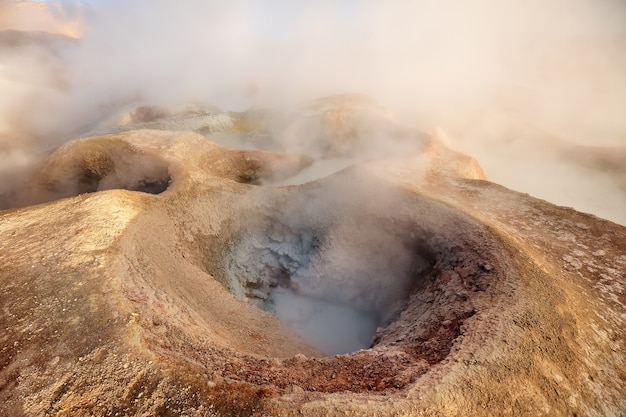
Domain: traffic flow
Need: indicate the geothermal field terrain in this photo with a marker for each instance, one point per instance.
(183, 235)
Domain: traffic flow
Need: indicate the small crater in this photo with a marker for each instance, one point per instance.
(98, 164)
(359, 278)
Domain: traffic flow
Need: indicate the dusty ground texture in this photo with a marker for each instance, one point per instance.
(131, 288)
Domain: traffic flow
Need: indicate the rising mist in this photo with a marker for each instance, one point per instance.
(527, 87)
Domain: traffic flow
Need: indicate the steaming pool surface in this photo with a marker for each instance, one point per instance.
(332, 328)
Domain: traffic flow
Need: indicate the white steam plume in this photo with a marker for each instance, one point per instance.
(514, 81)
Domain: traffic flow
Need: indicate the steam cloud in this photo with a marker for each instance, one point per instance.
(525, 86)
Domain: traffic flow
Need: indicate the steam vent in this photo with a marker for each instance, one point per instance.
(197, 262)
